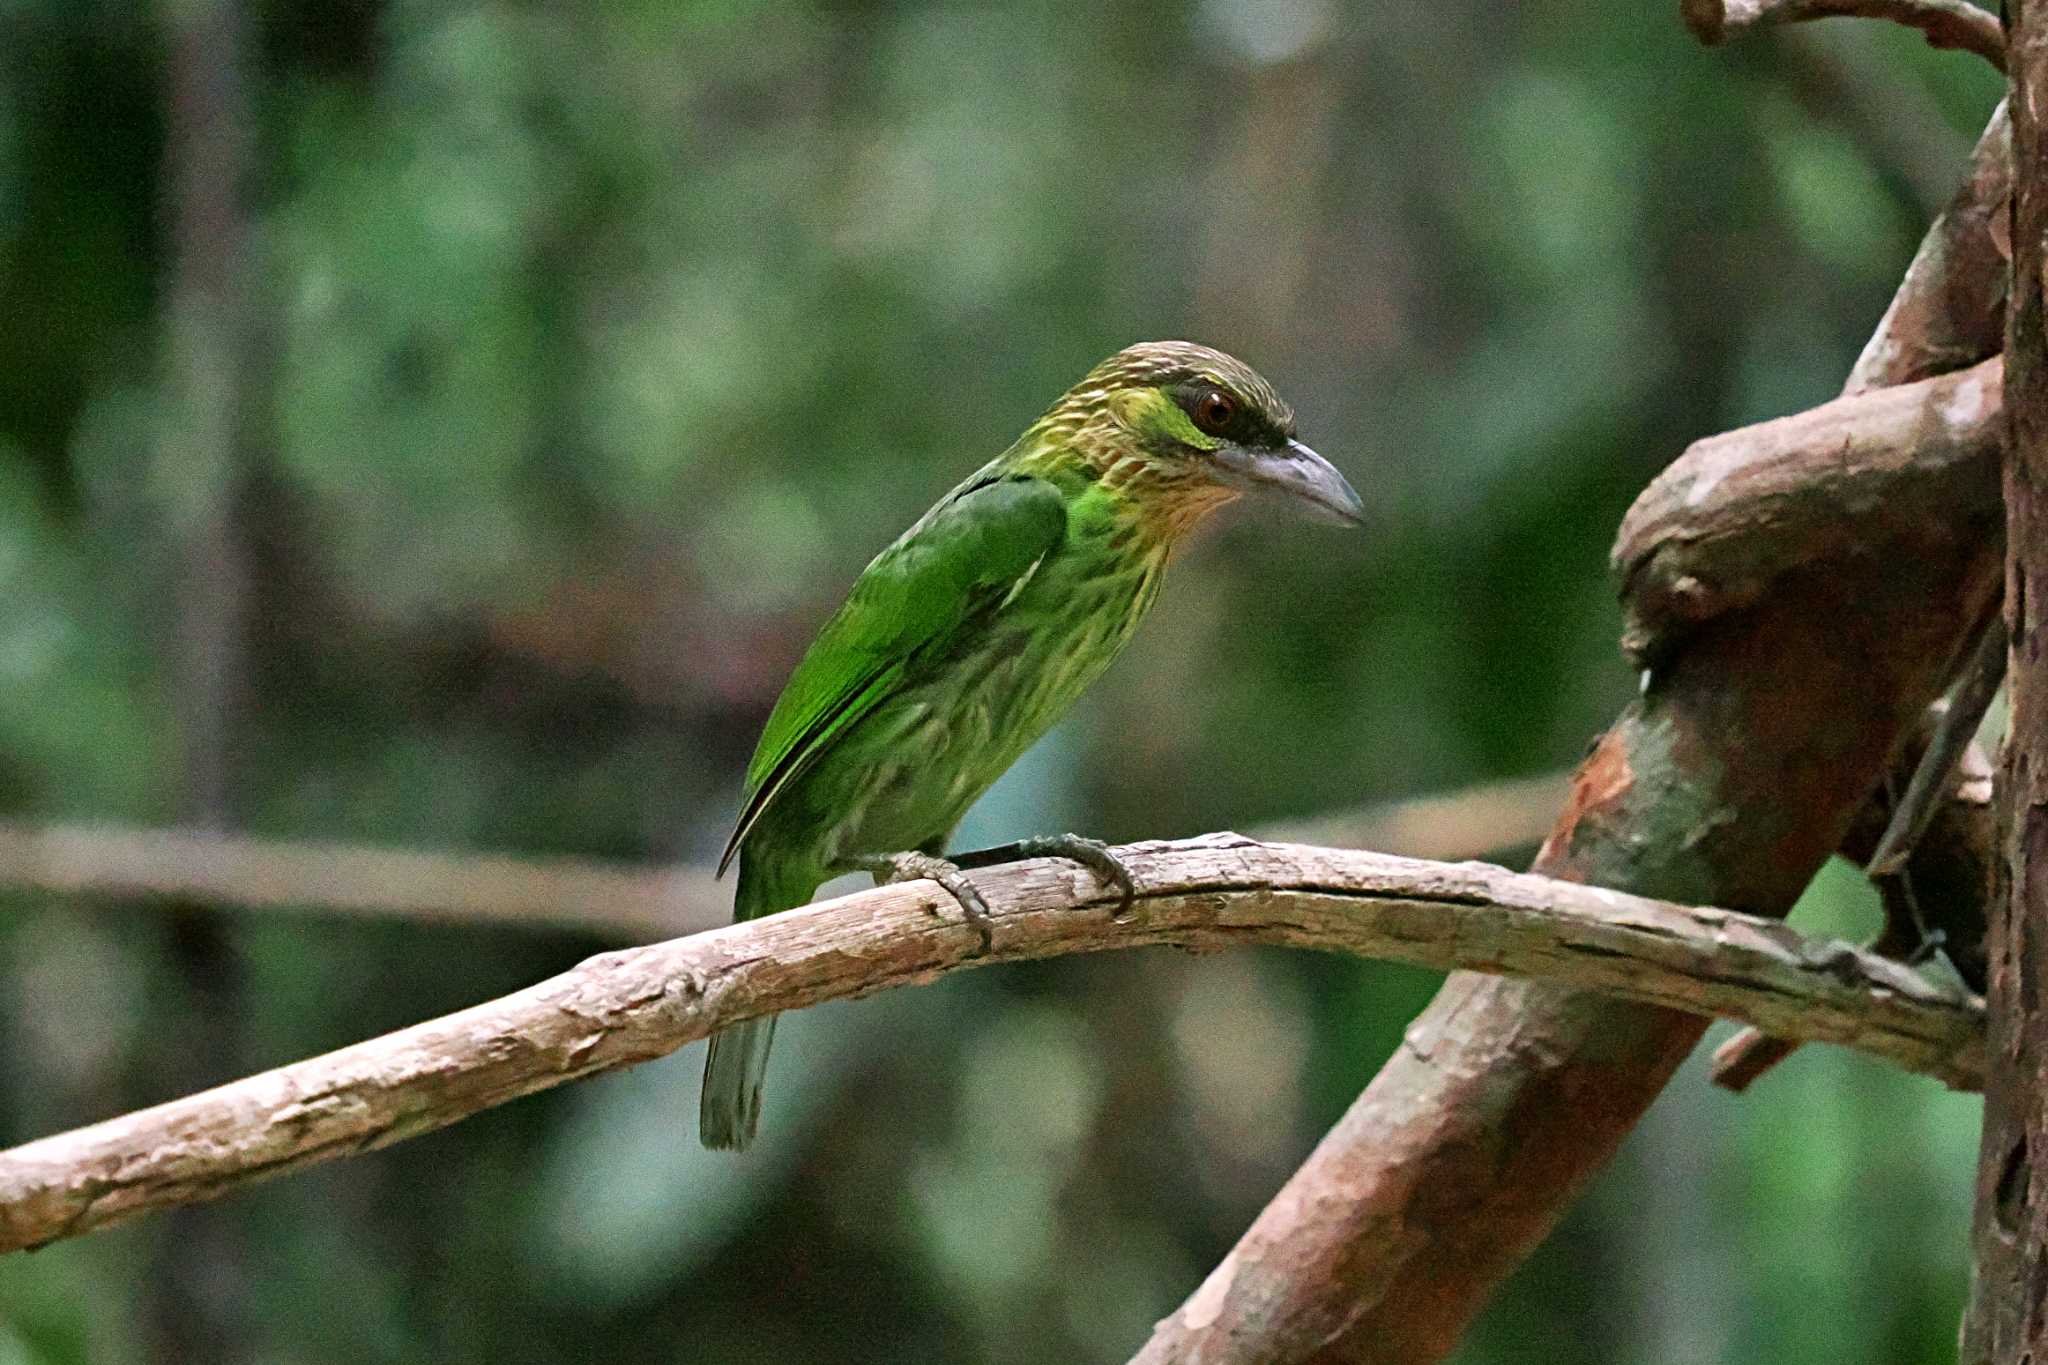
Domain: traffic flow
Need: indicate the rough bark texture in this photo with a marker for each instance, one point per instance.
(1736, 517)
(1209, 893)
(1728, 783)
(2007, 1317)
(1950, 876)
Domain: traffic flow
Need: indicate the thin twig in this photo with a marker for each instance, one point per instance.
(1219, 891)
(1947, 23)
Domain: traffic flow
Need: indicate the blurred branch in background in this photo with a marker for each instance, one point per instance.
(1732, 779)
(614, 900)
(1947, 23)
(1220, 891)
(1478, 822)
(213, 364)
(216, 384)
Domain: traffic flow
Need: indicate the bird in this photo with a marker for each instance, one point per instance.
(967, 637)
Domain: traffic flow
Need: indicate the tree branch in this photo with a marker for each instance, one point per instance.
(1949, 309)
(1203, 894)
(1946, 23)
(621, 901)
(1727, 783)
(1948, 880)
(1473, 822)
(1732, 517)
(629, 903)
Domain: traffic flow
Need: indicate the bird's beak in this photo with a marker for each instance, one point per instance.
(1300, 473)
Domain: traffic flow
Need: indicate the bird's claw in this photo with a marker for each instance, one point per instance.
(913, 866)
(1928, 941)
(1092, 854)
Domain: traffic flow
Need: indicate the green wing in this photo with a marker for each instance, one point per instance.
(972, 548)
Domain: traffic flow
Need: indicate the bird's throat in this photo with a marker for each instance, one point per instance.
(1169, 502)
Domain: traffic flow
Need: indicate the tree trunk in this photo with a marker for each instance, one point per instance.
(2005, 1319)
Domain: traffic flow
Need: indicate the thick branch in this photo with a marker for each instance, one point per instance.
(1728, 783)
(1947, 23)
(1216, 892)
(1949, 310)
(1726, 522)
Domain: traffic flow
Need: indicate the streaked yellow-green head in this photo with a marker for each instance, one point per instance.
(1187, 428)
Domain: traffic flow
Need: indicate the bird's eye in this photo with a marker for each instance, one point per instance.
(1214, 411)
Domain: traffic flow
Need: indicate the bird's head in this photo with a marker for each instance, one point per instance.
(1193, 427)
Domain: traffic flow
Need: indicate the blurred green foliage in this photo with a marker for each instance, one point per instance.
(597, 348)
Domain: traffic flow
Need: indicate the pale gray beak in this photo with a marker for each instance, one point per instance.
(1300, 473)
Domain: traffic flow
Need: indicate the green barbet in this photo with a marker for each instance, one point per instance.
(963, 641)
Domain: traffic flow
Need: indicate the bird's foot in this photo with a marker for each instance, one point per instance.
(1907, 935)
(1092, 854)
(912, 866)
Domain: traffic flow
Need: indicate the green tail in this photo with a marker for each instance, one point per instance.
(729, 1110)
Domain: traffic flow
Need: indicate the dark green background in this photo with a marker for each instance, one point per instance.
(601, 345)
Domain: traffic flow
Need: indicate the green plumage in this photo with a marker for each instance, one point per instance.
(963, 641)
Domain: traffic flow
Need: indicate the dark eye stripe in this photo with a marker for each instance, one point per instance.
(1256, 418)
